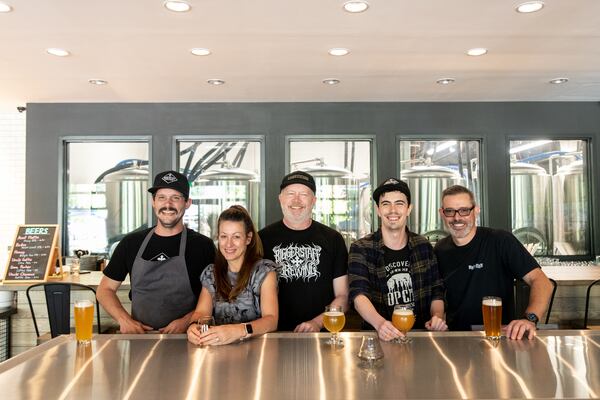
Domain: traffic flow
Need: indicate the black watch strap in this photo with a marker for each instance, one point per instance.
(532, 318)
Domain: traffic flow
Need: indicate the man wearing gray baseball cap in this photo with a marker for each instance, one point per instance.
(164, 264)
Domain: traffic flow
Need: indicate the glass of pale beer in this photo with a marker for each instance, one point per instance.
(84, 320)
(403, 319)
(491, 307)
(334, 321)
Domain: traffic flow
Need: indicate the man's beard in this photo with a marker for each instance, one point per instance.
(462, 233)
(304, 216)
(169, 224)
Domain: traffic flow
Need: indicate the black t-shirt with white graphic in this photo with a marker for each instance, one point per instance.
(399, 281)
(486, 266)
(199, 252)
(307, 263)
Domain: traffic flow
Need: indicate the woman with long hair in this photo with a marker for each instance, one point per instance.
(240, 288)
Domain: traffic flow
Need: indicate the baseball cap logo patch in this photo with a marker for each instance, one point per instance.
(301, 177)
(391, 181)
(169, 178)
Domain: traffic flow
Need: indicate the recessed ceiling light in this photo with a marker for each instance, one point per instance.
(331, 81)
(356, 6)
(530, 6)
(338, 51)
(446, 81)
(57, 52)
(177, 5)
(98, 82)
(558, 81)
(477, 51)
(215, 82)
(199, 51)
(4, 8)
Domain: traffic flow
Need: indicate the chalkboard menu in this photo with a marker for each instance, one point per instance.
(34, 252)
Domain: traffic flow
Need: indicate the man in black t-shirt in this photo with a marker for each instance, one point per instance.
(164, 264)
(311, 258)
(477, 262)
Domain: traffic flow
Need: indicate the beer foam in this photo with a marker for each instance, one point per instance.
(492, 302)
(403, 312)
(83, 303)
(334, 313)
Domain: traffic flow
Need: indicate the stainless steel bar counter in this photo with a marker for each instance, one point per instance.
(558, 364)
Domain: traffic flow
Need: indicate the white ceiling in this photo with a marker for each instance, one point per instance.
(276, 50)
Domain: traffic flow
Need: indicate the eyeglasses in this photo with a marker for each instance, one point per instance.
(463, 212)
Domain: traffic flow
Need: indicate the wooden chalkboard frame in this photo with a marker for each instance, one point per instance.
(51, 258)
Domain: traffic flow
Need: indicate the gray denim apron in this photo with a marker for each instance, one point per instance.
(161, 290)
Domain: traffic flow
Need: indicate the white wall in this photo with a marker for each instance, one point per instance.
(12, 172)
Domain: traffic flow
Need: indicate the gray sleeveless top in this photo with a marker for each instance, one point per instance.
(246, 307)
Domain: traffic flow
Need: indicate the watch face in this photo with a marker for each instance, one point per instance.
(532, 317)
(249, 329)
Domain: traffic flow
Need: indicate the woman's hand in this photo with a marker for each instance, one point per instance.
(216, 335)
(193, 334)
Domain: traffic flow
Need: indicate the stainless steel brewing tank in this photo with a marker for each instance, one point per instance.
(571, 218)
(217, 189)
(530, 200)
(340, 204)
(126, 201)
(426, 183)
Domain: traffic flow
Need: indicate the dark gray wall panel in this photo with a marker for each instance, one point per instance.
(495, 123)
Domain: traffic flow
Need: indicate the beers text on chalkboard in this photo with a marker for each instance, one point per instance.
(34, 254)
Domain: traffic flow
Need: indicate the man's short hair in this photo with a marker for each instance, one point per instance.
(458, 189)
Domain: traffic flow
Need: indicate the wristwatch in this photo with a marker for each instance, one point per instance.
(249, 331)
(532, 318)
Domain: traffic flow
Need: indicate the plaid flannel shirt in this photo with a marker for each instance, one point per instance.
(366, 271)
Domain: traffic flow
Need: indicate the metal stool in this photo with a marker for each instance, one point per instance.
(58, 302)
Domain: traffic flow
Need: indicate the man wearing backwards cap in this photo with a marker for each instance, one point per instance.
(312, 259)
(395, 266)
(164, 264)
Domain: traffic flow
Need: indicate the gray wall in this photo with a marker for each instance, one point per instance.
(494, 123)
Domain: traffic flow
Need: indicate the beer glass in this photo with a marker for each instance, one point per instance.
(75, 266)
(491, 307)
(403, 319)
(204, 323)
(84, 318)
(370, 349)
(334, 320)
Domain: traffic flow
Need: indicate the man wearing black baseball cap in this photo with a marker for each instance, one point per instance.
(312, 259)
(395, 267)
(164, 264)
